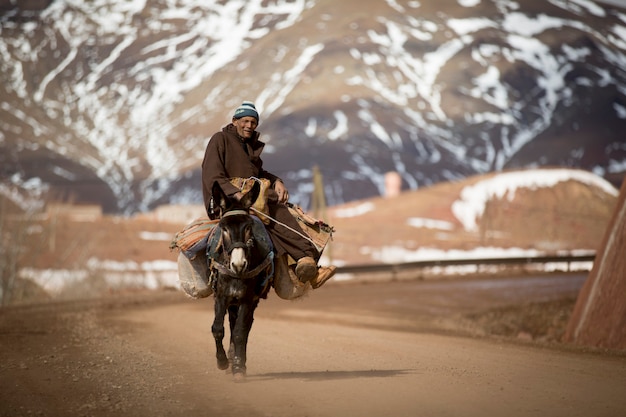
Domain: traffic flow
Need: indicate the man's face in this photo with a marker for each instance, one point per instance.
(245, 126)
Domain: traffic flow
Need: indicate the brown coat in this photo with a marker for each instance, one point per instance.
(226, 157)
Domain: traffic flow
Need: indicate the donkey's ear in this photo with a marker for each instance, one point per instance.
(250, 197)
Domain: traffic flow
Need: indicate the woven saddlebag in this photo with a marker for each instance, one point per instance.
(192, 259)
(286, 284)
(318, 232)
(260, 205)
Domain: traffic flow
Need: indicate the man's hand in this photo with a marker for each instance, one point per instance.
(283, 194)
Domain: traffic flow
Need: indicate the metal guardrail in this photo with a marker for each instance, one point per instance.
(523, 260)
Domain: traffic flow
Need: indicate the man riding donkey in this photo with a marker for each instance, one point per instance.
(235, 152)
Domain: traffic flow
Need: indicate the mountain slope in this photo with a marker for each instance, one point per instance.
(114, 102)
(546, 211)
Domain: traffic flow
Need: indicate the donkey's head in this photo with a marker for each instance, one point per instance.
(236, 225)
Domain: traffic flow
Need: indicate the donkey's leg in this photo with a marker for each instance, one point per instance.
(232, 319)
(218, 334)
(245, 318)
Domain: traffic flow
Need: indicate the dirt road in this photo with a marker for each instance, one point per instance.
(381, 349)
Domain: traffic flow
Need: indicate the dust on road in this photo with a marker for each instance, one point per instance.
(382, 349)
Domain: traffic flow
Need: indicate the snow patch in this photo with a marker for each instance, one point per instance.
(354, 211)
(420, 222)
(473, 198)
(469, 3)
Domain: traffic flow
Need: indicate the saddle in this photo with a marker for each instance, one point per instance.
(194, 237)
(199, 244)
(245, 185)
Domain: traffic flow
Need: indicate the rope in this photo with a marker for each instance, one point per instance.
(284, 225)
(280, 223)
(234, 212)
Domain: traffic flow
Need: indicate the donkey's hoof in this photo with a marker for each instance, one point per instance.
(239, 371)
(223, 364)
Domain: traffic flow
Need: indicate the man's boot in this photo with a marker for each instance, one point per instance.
(306, 269)
(324, 273)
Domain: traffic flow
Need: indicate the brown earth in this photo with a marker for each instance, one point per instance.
(467, 345)
(569, 216)
(472, 347)
(599, 316)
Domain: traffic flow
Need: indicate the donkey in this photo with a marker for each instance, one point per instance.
(243, 267)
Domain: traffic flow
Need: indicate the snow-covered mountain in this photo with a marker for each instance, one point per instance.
(114, 101)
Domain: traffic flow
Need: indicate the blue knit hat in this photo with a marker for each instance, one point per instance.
(247, 108)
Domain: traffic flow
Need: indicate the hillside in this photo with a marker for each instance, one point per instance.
(547, 211)
(538, 211)
(112, 102)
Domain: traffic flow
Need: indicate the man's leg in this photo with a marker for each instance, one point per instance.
(288, 238)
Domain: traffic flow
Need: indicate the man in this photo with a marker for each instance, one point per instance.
(235, 151)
